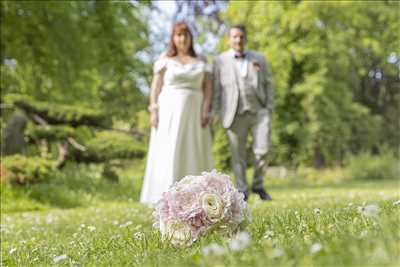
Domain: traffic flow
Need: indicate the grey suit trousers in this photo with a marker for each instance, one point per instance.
(259, 124)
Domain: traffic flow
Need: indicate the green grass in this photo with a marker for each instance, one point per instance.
(98, 223)
(76, 186)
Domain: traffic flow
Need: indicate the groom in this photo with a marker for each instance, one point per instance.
(243, 96)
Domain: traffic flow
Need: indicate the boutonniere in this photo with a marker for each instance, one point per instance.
(257, 65)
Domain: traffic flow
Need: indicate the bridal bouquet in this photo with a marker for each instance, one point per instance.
(197, 205)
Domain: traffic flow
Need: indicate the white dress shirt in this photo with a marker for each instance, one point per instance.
(242, 63)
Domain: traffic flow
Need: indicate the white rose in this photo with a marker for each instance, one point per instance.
(177, 232)
(213, 207)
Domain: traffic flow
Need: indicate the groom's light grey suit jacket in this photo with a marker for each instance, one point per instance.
(226, 85)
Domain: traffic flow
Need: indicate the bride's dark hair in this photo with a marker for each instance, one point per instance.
(180, 27)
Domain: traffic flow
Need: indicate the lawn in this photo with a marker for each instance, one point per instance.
(92, 222)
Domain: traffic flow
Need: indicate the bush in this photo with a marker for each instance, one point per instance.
(222, 155)
(22, 170)
(58, 133)
(366, 166)
(326, 174)
(108, 145)
(55, 113)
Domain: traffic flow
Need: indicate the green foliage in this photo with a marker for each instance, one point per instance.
(27, 170)
(57, 133)
(142, 123)
(99, 145)
(108, 145)
(369, 167)
(94, 223)
(221, 152)
(335, 69)
(320, 175)
(76, 185)
(83, 53)
(58, 113)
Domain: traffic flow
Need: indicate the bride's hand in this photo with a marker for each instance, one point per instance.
(205, 119)
(154, 118)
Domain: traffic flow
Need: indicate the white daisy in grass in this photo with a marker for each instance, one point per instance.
(213, 249)
(396, 203)
(315, 248)
(138, 236)
(277, 253)
(240, 241)
(91, 228)
(317, 211)
(60, 258)
(370, 210)
(363, 233)
(268, 234)
(12, 250)
(126, 224)
(51, 218)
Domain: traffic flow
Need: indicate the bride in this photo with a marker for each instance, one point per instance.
(180, 99)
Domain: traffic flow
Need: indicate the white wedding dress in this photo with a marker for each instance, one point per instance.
(179, 146)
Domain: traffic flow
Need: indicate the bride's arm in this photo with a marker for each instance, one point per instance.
(207, 95)
(156, 86)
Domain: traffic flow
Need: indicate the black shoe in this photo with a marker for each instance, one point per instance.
(263, 195)
(246, 195)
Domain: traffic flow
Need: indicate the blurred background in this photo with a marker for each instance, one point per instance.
(75, 81)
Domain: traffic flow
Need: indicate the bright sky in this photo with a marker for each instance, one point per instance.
(160, 24)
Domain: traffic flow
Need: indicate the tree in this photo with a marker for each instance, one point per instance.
(335, 88)
(82, 52)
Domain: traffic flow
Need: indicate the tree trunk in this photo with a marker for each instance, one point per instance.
(14, 141)
(319, 159)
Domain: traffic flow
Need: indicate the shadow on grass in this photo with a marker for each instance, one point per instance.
(76, 186)
(299, 184)
(83, 186)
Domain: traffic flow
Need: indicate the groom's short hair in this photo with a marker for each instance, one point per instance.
(240, 27)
